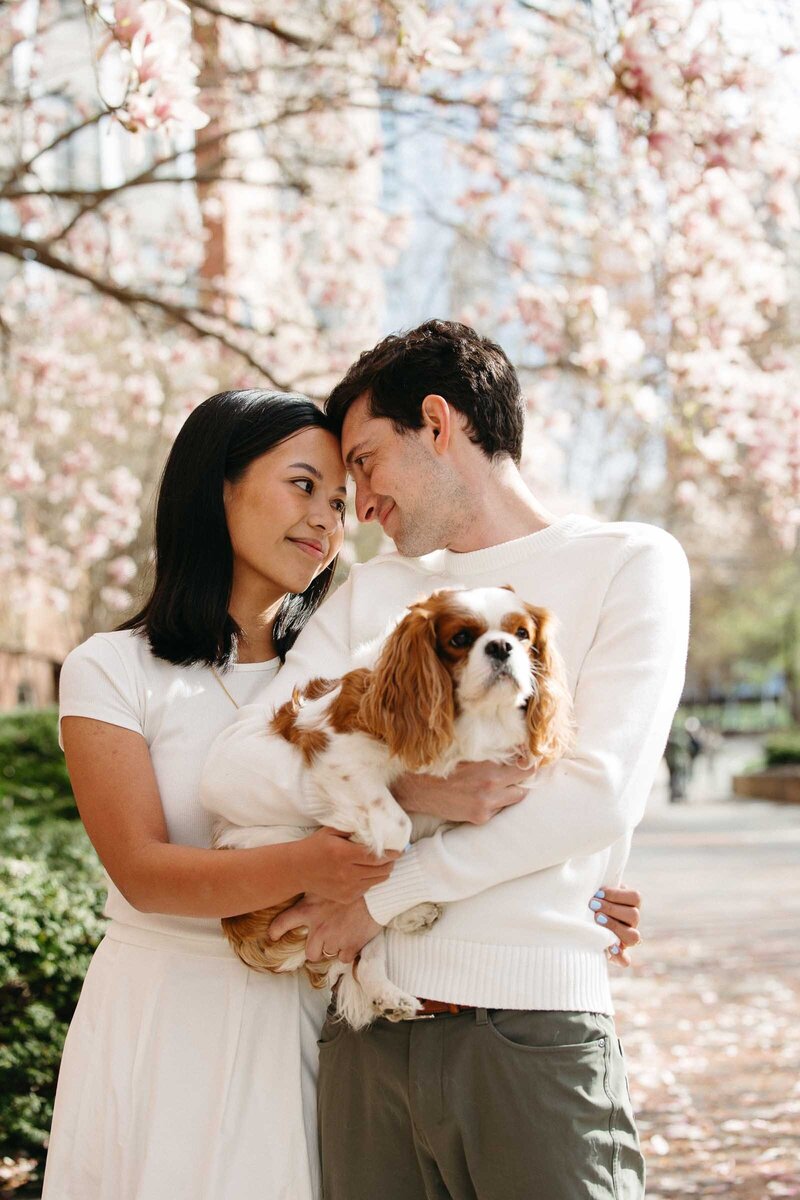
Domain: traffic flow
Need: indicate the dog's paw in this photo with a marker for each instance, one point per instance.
(394, 1005)
(380, 824)
(421, 916)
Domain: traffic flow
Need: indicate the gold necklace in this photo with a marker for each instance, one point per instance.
(222, 685)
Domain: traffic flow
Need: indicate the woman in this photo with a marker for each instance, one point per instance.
(185, 1074)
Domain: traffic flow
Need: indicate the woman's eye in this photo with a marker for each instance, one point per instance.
(340, 507)
(523, 634)
(306, 484)
(461, 639)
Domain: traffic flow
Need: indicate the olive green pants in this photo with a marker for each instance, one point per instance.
(493, 1104)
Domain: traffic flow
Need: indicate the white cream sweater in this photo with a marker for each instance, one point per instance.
(516, 931)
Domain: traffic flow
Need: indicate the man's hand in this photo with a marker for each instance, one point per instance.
(617, 909)
(474, 792)
(334, 930)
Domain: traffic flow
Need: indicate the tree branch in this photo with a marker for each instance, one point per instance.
(27, 250)
(284, 35)
(22, 168)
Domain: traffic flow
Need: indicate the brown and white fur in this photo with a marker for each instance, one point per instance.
(465, 676)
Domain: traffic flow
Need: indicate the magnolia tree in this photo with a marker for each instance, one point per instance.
(610, 188)
(644, 214)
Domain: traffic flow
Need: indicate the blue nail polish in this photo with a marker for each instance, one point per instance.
(594, 905)
(600, 894)
(601, 919)
(615, 949)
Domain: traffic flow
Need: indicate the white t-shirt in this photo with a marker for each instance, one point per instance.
(116, 678)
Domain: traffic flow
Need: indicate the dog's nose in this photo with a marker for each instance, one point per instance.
(499, 649)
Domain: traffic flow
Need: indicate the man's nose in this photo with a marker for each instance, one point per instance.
(366, 503)
(499, 649)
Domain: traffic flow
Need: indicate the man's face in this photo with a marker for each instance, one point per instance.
(400, 481)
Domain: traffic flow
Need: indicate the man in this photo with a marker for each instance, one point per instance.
(518, 1089)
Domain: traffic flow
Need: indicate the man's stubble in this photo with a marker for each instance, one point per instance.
(444, 511)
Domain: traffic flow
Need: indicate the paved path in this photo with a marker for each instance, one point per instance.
(710, 1015)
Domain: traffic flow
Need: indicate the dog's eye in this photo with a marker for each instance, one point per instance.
(523, 634)
(461, 639)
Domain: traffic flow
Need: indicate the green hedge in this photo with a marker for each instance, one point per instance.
(51, 895)
(783, 748)
(33, 778)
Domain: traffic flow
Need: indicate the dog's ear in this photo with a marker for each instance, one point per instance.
(549, 709)
(409, 703)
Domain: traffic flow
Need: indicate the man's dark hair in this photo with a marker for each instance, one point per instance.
(446, 359)
(186, 618)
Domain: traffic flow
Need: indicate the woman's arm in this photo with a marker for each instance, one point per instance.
(117, 796)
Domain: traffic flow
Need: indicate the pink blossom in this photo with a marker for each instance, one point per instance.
(117, 599)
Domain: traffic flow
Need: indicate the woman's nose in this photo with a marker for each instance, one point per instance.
(325, 517)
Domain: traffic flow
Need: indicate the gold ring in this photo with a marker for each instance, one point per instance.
(327, 954)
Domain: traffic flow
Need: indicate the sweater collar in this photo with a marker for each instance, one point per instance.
(506, 554)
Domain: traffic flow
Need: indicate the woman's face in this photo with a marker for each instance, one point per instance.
(286, 514)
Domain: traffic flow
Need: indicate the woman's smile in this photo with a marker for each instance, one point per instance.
(309, 546)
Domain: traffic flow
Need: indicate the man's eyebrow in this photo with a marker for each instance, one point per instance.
(313, 471)
(355, 450)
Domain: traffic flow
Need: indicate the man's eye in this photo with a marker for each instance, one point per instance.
(340, 507)
(523, 634)
(462, 638)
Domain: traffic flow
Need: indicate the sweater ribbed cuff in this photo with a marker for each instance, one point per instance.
(405, 887)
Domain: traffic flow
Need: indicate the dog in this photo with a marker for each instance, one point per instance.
(466, 675)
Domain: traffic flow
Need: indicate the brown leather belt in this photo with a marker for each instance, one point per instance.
(433, 1008)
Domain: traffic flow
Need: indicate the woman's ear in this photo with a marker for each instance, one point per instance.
(409, 702)
(549, 709)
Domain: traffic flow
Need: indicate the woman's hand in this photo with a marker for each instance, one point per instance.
(474, 792)
(334, 930)
(334, 868)
(617, 909)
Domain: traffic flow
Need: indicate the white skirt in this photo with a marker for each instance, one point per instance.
(186, 1076)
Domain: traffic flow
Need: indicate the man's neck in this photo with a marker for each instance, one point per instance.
(505, 509)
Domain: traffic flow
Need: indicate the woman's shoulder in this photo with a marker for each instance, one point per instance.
(107, 678)
(123, 649)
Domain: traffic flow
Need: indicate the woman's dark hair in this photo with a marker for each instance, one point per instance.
(451, 360)
(186, 618)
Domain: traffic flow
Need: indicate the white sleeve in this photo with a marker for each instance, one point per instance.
(627, 690)
(95, 682)
(249, 775)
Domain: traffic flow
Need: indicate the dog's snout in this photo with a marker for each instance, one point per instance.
(499, 649)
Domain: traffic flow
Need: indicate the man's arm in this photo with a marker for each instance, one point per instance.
(247, 772)
(627, 691)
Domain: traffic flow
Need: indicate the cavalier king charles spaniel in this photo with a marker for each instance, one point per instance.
(464, 676)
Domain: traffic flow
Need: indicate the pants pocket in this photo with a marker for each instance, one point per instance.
(550, 1032)
(332, 1030)
(554, 1097)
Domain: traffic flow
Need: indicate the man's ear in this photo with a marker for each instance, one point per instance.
(437, 417)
